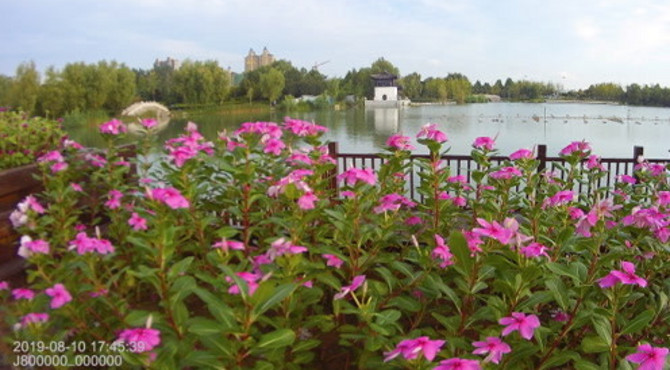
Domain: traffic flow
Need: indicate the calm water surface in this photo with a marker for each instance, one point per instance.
(612, 130)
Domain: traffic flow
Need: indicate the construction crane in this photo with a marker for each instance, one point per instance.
(316, 65)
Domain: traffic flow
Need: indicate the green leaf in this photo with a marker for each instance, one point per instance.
(559, 292)
(278, 294)
(218, 308)
(638, 322)
(387, 317)
(603, 328)
(560, 358)
(593, 344)
(200, 359)
(276, 339)
(404, 268)
(387, 276)
(203, 327)
(179, 268)
(182, 288)
(405, 303)
(459, 247)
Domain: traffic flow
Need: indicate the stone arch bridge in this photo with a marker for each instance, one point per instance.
(139, 108)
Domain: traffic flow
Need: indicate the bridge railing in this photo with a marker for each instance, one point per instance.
(465, 164)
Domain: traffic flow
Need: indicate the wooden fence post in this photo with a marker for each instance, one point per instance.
(638, 156)
(542, 157)
(333, 151)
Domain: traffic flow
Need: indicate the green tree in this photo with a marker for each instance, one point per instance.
(272, 84)
(435, 89)
(382, 65)
(605, 91)
(5, 90)
(412, 86)
(123, 88)
(201, 83)
(51, 96)
(458, 87)
(25, 87)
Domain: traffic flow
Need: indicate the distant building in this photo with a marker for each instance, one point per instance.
(168, 62)
(253, 61)
(386, 91)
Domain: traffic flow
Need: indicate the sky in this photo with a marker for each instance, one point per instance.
(574, 43)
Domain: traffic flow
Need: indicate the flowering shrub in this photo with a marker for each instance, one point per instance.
(23, 139)
(239, 253)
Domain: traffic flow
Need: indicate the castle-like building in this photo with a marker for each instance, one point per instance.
(253, 61)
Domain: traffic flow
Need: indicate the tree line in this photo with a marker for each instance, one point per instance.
(111, 86)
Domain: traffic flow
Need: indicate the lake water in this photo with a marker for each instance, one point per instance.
(612, 130)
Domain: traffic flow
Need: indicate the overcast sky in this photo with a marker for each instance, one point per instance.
(571, 42)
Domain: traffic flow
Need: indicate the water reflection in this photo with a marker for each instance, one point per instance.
(613, 130)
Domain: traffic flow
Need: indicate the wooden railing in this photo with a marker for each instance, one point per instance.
(465, 164)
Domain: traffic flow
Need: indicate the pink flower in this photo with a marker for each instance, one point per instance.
(627, 179)
(473, 240)
(430, 132)
(494, 346)
(442, 252)
(348, 194)
(592, 162)
(399, 142)
(22, 293)
(4, 285)
(229, 244)
(411, 348)
(458, 364)
(114, 199)
(533, 250)
(76, 187)
(58, 167)
(353, 175)
(525, 324)
(484, 142)
(281, 247)
(649, 358)
(560, 198)
(355, 284)
(663, 198)
(32, 203)
(95, 160)
(294, 158)
(627, 277)
(113, 127)
(393, 202)
(28, 247)
(521, 154)
(332, 260)
(493, 230)
(306, 201)
(188, 145)
(273, 146)
(581, 148)
(84, 244)
(249, 277)
(149, 123)
(59, 295)
(413, 220)
(170, 196)
(268, 129)
(34, 318)
(303, 128)
(53, 156)
(506, 173)
(140, 339)
(137, 222)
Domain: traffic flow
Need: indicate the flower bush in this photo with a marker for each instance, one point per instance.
(239, 253)
(23, 139)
